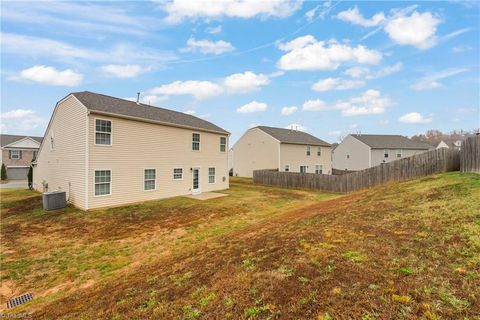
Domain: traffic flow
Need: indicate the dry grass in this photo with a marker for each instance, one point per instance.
(402, 251)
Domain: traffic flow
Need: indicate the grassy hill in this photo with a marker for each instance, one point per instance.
(402, 251)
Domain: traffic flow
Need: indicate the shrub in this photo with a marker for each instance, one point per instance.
(30, 177)
(4, 172)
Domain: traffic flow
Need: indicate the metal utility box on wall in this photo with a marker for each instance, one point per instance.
(54, 200)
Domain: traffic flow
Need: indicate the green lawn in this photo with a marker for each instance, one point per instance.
(401, 251)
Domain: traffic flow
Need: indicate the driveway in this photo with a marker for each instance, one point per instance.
(15, 184)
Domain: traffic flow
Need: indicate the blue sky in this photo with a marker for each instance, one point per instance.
(330, 68)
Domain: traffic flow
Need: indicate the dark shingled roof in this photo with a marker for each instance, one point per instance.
(6, 139)
(101, 103)
(382, 141)
(293, 136)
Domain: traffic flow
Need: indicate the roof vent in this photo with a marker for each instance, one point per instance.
(138, 97)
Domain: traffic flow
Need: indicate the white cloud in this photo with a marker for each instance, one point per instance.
(417, 30)
(354, 16)
(370, 102)
(179, 10)
(253, 106)
(337, 84)
(245, 82)
(208, 47)
(190, 112)
(22, 121)
(363, 72)
(214, 30)
(310, 14)
(415, 118)
(306, 53)
(314, 105)
(335, 133)
(50, 76)
(52, 49)
(123, 71)
(198, 89)
(286, 111)
(353, 126)
(431, 81)
(296, 126)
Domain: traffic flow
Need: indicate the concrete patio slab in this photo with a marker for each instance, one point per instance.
(207, 196)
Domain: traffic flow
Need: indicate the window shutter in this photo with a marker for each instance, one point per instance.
(9, 154)
(20, 156)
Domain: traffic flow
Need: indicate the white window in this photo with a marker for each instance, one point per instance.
(211, 175)
(196, 141)
(287, 168)
(318, 169)
(399, 153)
(303, 169)
(103, 182)
(35, 153)
(15, 154)
(348, 155)
(308, 150)
(150, 177)
(103, 132)
(319, 151)
(223, 144)
(177, 174)
(385, 153)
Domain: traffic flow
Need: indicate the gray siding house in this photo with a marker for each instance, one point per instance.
(362, 151)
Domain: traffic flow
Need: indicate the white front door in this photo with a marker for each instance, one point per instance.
(196, 180)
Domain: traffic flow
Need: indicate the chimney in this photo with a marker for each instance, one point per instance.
(138, 97)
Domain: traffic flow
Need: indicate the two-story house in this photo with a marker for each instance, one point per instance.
(105, 151)
(362, 151)
(280, 149)
(18, 152)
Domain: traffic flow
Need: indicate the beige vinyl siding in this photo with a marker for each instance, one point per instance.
(378, 155)
(295, 155)
(66, 162)
(137, 146)
(359, 155)
(255, 150)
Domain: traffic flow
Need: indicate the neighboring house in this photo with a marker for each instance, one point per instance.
(105, 151)
(280, 149)
(450, 144)
(361, 151)
(18, 153)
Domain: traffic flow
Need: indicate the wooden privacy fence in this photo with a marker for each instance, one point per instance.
(470, 155)
(435, 161)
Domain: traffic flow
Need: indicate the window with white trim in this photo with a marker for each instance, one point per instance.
(196, 141)
(178, 174)
(150, 177)
(103, 132)
(308, 150)
(35, 153)
(385, 153)
(223, 144)
(319, 151)
(318, 169)
(211, 175)
(103, 182)
(287, 168)
(15, 154)
(303, 169)
(399, 153)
